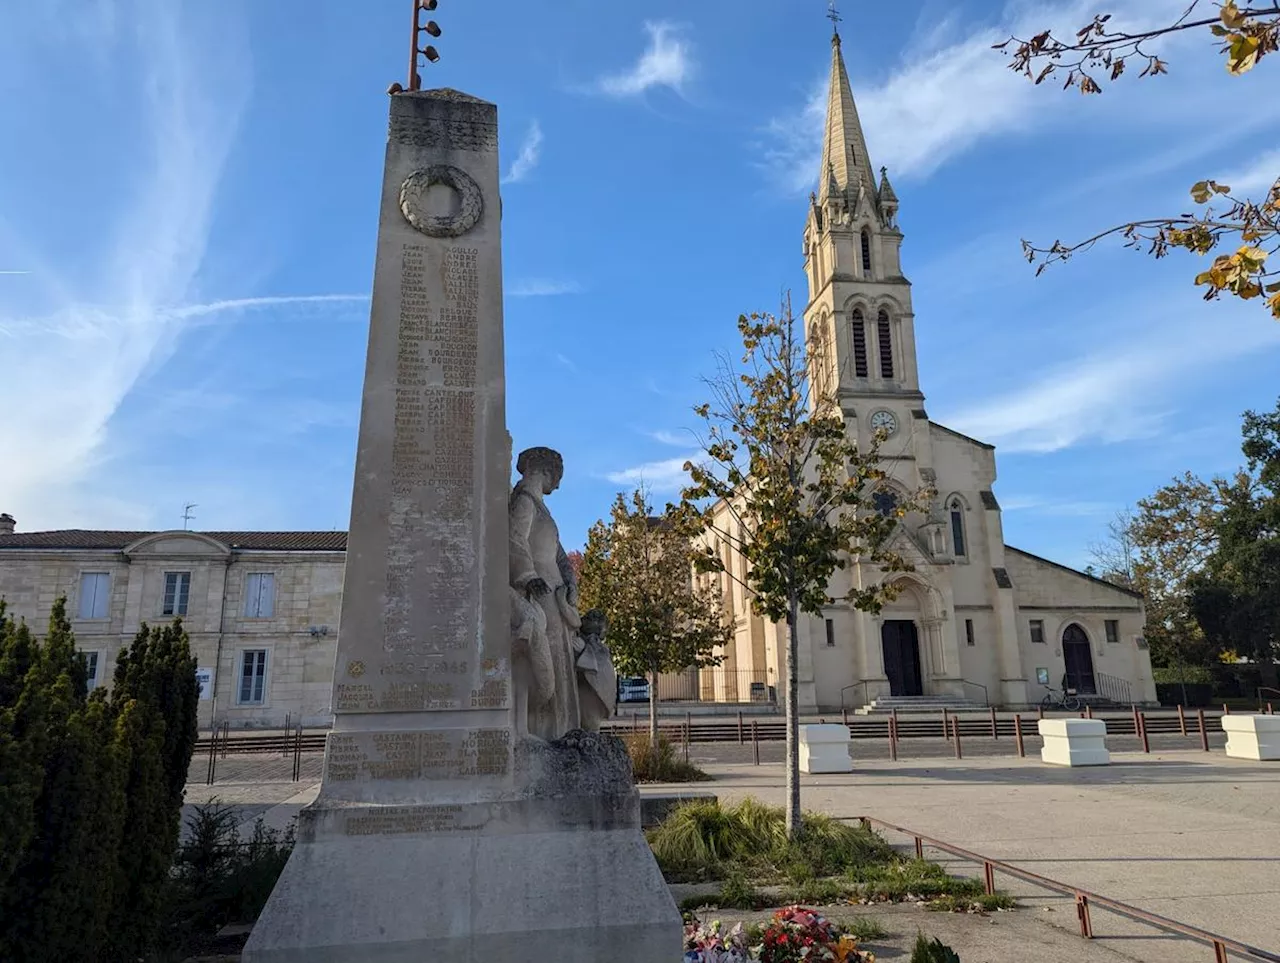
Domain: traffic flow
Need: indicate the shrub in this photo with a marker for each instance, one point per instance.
(659, 763)
(866, 929)
(934, 951)
(1187, 673)
(817, 892)
(737, 893)
(220, 878)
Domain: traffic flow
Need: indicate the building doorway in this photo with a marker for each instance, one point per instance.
(1079, 660)
(901, 647)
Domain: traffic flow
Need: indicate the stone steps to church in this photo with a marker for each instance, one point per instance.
(905, 705)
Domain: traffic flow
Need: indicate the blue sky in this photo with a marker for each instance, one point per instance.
(188, 209)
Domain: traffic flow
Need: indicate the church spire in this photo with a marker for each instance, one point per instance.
(845, 164)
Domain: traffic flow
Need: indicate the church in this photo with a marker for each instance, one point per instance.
(977, 621)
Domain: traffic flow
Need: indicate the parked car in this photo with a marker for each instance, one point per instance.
(633, 690)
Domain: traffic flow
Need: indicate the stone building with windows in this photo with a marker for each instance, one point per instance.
(976, 620)
(261, 608)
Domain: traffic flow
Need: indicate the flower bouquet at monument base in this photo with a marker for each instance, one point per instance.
(793, 935)
(705, 943)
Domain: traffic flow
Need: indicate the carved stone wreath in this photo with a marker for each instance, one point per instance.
(413, 196)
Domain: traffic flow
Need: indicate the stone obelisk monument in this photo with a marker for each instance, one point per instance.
(439, 836)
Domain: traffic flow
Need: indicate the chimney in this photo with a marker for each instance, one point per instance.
(6, 524)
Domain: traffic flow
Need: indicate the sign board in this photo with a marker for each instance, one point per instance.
(1042, 676)
(204, 678)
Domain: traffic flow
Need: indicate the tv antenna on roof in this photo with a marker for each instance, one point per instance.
(186, 514)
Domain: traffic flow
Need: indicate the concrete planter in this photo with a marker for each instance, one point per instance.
(825, 748)
(1252, 737)
(1074, 742)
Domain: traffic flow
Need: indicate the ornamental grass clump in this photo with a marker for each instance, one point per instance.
(708, 840)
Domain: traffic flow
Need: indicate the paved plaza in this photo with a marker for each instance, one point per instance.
(1186, 834)
(1189, 835)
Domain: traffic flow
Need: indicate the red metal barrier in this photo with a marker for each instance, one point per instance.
(1085, 900)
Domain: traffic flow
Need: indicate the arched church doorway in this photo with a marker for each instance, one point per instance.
(901, 646)
(1079, 660)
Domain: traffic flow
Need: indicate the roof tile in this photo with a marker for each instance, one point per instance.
(112, 540)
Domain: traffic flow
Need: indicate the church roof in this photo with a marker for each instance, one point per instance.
(845, 163)
(1074, 571)
(99, 540)
(952, 431)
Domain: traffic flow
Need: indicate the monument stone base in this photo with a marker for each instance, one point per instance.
(559, 870)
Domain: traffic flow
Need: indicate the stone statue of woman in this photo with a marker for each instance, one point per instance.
(597, 679)
(541, 577)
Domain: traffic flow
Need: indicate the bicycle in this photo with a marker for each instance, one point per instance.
(1068, 700)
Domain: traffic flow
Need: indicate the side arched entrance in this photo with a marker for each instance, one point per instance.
(1078, 659)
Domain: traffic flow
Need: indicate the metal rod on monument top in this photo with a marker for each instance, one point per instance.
(416, 47)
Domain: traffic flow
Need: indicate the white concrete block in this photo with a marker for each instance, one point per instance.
(825, 748)
(1254, 737)
(1074, 742)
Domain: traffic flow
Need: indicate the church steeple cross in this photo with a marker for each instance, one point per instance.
(834, 16)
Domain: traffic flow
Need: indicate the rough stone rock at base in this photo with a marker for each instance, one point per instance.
(578, 764)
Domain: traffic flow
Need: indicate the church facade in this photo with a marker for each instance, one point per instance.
(976, 620)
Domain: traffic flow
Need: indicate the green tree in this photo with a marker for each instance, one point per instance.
(154, 700)
(54, 904)
(1176, 532)
(638, 569)
(22, 713)
(783, 485)
(1236, 596)
(1099, 53)
(90, 792)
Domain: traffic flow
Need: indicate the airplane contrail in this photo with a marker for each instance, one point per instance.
(15, 272)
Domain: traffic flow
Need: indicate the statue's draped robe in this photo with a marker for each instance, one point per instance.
(536, 553)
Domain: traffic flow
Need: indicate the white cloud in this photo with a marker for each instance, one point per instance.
(1256, 178)
(666, 62)
(15, 272)
(566, 361)
(944, 97)
(87, 323)
(1045, 506)
(667, 475)
(672, 438)
(541, 288)
(527, 159)
(1122, 392)
(191, 89)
